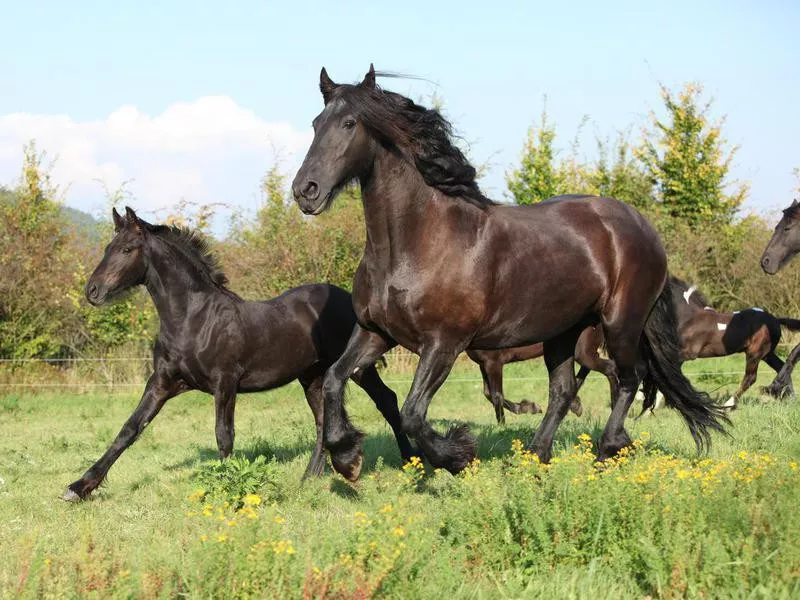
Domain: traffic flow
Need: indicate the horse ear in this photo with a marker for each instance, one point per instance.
(794, 202)
(133, 220)
(118, 222)
(369, 78)
(326, 86)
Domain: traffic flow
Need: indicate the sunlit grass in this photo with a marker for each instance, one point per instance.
(658, 521)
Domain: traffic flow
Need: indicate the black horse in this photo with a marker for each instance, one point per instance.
(213, 341)
(781, 249)
(446, 269)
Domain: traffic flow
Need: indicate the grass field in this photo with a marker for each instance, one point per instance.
(658, 522)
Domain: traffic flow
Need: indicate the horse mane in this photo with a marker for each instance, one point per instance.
(793, 210)
(697, 298)
(196, 248)
(422, 135)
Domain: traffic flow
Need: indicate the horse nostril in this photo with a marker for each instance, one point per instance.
(765, 261)
(92, 291)
(310, 191)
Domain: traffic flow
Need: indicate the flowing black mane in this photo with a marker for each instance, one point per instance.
(421, 134)
(697, 298)
(196, 248)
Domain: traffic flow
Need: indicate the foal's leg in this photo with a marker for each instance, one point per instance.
(386, 401)
(455, 450)
(776, 364)
(312, 386)
(559, 357)
(158, 390)
(782, 384)
(341, 438)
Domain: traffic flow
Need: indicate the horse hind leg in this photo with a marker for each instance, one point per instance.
(559, 356)
(312, 386)
(385, 400)
(782, 386)
(622, 340)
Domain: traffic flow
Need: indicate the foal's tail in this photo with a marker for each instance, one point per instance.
(661, 346)
(790, 324)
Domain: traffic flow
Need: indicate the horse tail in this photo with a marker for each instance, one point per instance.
(661, 346)
(790, 324)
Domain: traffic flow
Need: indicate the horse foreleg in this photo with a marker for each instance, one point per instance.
(750, 375)
(225, 406)
(158, 390)
(455, 450)
(340, 437)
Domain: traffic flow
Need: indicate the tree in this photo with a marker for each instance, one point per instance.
(538, 176)
(616, 173)
(686, 159)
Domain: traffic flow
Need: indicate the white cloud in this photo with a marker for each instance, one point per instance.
(208, 150)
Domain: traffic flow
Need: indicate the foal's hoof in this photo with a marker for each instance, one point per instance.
(528, 407)
(70, 496)
(576, 407)
(350, 470)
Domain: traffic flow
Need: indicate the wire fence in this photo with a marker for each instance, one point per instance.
(84, 374)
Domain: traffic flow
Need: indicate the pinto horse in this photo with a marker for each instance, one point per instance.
(213, 341)
(445, 269)
(781, 249)
(708, 333)
(491, 363)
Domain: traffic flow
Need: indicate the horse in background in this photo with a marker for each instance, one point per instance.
(446, 269)
(491, 363)
(213, 341)
(781, 249)
(707, 333)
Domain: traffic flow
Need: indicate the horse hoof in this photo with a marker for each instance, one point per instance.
(70, 496)
(730, 404)
(350, 471)
(576, 407)
(528, 407)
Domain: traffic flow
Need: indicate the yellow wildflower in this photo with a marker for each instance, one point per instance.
(252, 499)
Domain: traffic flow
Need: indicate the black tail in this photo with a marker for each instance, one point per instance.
(662, 349)
(790, 324)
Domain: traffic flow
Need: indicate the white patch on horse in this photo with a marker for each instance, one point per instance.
(730, 403)
(688, 293)
(755, 308)
(722, 326)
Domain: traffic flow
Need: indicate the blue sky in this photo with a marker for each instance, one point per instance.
(121, 91)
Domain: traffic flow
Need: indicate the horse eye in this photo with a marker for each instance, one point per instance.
(349, 124)
(127, 250)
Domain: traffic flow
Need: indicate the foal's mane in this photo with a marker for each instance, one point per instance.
(793, 210)
(697, 298)
(422, 135)
(195, 247)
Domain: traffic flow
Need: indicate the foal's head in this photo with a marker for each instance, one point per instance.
(358, 120)
(123, 265)
(785, 241)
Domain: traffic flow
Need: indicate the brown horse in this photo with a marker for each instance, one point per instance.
(781, 249)
(707, 333)
(491, 363)
(446, 269)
